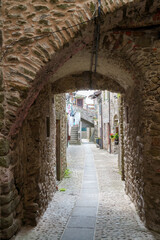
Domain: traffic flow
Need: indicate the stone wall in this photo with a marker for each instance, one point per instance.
(33, 164)
(60, 106)
(133, 157)
(141, 130)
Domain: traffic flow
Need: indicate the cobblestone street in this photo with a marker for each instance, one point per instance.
(116, 217)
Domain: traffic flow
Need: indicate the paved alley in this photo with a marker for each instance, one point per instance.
(94, 205)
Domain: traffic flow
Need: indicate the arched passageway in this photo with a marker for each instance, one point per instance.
(37, 65)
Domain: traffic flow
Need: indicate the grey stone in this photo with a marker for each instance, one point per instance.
(78, 234)
(87, 203)
(4, 161)
(85, 211)
(4, 147)
(82, 222)
(6, 222)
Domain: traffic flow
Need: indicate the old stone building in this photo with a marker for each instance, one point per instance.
(107, 119)
(46, 48)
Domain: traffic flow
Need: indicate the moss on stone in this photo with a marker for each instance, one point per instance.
(92, 7)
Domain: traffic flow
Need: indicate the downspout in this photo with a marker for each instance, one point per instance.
(101, 124)
(122, 139)
(109, 124)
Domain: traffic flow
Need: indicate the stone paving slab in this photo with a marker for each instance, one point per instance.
(85, 211)
(90, 190)
(78, 234)
(82, 222)
(86, 203)
(90, 186)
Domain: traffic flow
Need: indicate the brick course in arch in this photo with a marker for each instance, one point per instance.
(130, 32)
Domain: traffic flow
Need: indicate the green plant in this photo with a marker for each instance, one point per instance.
(118, 95)
(62, 190)
(67, 173)
(116, 136)
(111, 135)
(92, 7)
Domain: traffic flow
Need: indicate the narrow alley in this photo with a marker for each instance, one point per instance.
(91, 203)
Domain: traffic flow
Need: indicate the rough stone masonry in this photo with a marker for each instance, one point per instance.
(36, 56)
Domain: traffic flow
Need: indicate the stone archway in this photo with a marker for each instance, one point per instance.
(129, 43)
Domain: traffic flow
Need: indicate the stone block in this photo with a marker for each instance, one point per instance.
(6, 210)
(6, 222)
(53, 1)
(1, 112)
(4, 147)
(10, 231)
(1, 78)
(7, 187)
(9, 208)
(155, 151)
(4, 161)
(15, 203)
(1, 39)
(1, 98)
(4, 199)
(12, 58)
(41, 8)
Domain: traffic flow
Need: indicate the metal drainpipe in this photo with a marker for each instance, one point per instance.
(101, 124)
(109, 124)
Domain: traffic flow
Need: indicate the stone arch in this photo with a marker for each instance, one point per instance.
(129, 34)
